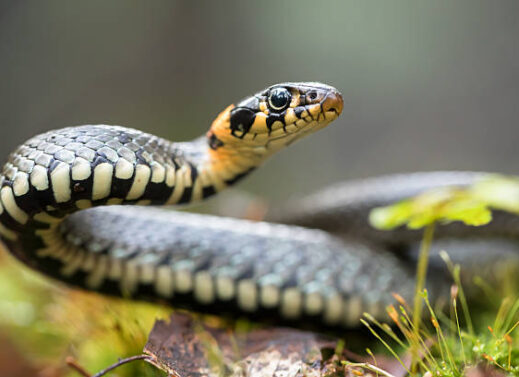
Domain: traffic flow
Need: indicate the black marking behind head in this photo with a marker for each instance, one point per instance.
(242, 119)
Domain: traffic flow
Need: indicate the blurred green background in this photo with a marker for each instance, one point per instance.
(427, 84)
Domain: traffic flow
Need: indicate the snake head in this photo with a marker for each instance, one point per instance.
(275, 117)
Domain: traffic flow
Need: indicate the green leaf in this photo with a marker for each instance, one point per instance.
(386, 218)
(442, 205)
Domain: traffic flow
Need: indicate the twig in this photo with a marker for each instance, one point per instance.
(72, 363)
(78, 368)
(119, 363)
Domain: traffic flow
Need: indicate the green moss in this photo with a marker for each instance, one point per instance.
(48, 322)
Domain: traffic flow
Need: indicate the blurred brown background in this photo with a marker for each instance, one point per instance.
(427, 85)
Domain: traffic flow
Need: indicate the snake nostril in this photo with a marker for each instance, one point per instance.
(312, 95)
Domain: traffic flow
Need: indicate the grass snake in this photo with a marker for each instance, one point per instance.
(317, 262)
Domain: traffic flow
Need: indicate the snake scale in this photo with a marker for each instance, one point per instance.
(319, 263)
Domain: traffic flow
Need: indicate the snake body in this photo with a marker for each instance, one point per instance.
(61, 213)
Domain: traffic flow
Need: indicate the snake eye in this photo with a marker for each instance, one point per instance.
(279, 98)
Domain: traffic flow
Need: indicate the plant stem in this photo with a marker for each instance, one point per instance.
(421, 274)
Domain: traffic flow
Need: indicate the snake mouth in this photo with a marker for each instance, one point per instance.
(288, 138)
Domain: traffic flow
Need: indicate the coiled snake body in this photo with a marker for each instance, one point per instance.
(289, 273)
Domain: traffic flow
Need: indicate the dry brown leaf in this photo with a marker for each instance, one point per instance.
(184, 348)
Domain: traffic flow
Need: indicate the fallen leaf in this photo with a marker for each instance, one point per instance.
(184, 347)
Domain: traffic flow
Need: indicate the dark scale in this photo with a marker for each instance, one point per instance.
(273, 117)
(31, 202)
(158, 193)
(208, 191)
(83, 189)
(186, 195)
(298, 111)
(121, 187)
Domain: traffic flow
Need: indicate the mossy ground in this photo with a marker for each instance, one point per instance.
(47, 324)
